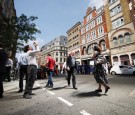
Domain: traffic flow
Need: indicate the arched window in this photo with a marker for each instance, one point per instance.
(103, 45)
(115, 42)
(121, 39)
(127, 37)
(89, 49)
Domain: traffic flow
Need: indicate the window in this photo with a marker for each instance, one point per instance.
(60, 53)
(88, 37)
(92, 24)
(99, 20)
(115, 10)
(56, 53)
(56, 59)
(100, 31)
(112, 1)
(82, 31)
(127, 37)
(115, 43)
(117, 23)
(93, 34)
(103, 45)
(90, 50)
(89, 17)
(83, 39)
(87, 28)
(121, 39)
(60, 59)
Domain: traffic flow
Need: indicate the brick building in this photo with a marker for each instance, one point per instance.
(93, 32)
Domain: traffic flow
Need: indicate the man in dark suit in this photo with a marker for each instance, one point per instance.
(3, 60)
(71, 66)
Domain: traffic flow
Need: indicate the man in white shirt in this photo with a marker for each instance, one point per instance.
(23, 63)
(31, 70)
(9, 65)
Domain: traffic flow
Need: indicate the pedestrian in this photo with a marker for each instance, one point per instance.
(50, 63)
(99, 72)
(83, 68)
(64, 68)
(109, 67)
(23, 63)
(71, 66)
(31, 70)
(9, 66)
(3, 60)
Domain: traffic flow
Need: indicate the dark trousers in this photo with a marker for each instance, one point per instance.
(1, 83)
(71, 73)
(8, 75)
(32, 72)
(23, 71)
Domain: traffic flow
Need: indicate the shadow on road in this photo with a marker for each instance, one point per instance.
(90, 94)
(11, 97)
(58, 88)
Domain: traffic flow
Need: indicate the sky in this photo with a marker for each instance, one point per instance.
(55, 17)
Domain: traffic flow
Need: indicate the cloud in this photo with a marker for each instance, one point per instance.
(96, 3)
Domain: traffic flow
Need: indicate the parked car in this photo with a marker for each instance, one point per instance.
(122, 69)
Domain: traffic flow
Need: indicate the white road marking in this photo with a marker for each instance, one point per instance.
(44, 88)
(37, 84)
(83, 112)
(50, 92)
(132, 93)
(65, 101)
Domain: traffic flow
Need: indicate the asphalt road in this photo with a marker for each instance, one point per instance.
(63, 100)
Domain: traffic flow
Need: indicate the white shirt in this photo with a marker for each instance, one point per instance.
(64, 65)
(23, 59)
(9, 63)
(31, 56)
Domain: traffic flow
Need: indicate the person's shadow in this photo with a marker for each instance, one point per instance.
(90, 94)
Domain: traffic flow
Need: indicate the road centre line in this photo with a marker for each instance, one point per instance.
(132, 93)
(37, 84)
(65, 101)
(83, 112)
(49, 91)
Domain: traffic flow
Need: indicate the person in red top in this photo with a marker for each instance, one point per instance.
(50, 63)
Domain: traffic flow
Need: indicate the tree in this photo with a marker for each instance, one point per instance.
(16, 31)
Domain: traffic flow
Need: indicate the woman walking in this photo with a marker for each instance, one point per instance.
(99, 73)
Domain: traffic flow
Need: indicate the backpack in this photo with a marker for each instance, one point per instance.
(73, 62)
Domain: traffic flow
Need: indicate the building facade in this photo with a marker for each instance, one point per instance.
(94, 32)
(73, 39)
(121, 31)
(58, 50)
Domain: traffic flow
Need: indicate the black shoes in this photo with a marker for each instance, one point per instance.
(49, 86)
(20, 91)
(32, 94)
(27, 96)
(74, 87)
(106, 89)
(1, 96)
(98, 90)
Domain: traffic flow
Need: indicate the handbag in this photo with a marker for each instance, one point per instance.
(101, 60)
